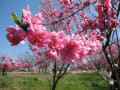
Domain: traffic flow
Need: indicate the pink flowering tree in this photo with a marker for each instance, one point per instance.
(18, 64)
(99, 61)
(3, 59)
(37, 61)
(70, 30)
(40, 59)
(13, 65)
(42, 63)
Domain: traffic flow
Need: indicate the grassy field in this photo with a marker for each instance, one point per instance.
(38, 81)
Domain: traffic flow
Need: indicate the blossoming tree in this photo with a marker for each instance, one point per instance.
(68, 31)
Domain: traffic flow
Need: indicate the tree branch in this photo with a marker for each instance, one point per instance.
(87, 4)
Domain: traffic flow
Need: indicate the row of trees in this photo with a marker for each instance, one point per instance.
(12, 63)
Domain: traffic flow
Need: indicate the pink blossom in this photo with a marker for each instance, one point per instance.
(38, 38)
(56, 43)
(11, 29)
(99, 37)
(51, 54)
(114, 12)
(66, 2)
(15, 36)
(99, 45)
(92, 45)
(69, 21)
(56, 12)
(37, 19)
(4, 58)
(35, 49)
(27, 15)
(70, 50)
(104, 9)
(25, 64)
(33, 21)
(36, 28)
(89, 1)
(61, 35)
(95, 33)
(44, 11)
(17, 64)
(13, 63)
(39, 53)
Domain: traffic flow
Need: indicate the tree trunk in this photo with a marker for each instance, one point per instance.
(59, 75)
(39, 69)
(45, 69)
(116, 86)
(116, 79)
(54, 86)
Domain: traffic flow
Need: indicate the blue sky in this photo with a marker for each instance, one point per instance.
(6, 8)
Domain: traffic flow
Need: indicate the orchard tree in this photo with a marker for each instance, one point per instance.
(27, 58)
(4, 59)
(99, 61)
(70, 30)
(41, 61)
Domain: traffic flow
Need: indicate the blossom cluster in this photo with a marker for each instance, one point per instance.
(106, 15)
(57, 44)
(14, 63)
(19, 64)
(5, 59)
(104, 18)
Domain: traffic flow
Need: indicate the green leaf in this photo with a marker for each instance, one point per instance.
(16, 19)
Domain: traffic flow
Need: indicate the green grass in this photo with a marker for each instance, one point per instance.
(37, 81)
